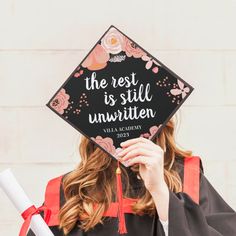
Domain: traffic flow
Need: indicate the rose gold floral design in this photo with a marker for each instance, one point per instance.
(131, 49)
(152, 131)
(113, 41)
(155, 69)
(78, 72)
(60, 102)
(110, 48)
(181, 90)
(174, 92)
(97, 59)
(106, 143)
(150, 62)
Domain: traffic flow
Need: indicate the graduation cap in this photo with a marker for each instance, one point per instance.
(119, 91)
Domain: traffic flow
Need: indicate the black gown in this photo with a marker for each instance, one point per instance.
(211, 217)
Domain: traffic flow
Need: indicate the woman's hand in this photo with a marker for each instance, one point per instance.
(150, 158)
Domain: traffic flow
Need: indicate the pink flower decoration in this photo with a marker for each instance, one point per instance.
(78, 74)
(152, 130)
(106, 143)
(131, 49)
(113, 41)
(150, 62)
(97, 59)
(183, 91)
(60, 102)
(155, 69)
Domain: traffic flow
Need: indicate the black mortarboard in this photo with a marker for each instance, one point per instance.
(119, 91)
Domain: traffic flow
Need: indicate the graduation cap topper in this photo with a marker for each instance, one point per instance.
(118, 92)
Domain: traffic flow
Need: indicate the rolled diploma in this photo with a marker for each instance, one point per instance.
(18, 197)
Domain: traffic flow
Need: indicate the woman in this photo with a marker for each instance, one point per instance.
(155, 180)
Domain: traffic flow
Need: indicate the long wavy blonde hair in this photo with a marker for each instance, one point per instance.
(93, 181)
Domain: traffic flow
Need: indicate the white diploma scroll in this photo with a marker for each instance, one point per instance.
(20, 200)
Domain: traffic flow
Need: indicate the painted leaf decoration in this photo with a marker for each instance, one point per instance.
(77, 74)
(175, 91)
(148, 65)
(181, 84)
(186, 89)
(155, 69)
(145, 58)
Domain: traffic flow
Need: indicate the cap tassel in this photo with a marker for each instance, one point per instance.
(121, 215)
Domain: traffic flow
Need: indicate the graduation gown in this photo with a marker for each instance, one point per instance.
(210, 216)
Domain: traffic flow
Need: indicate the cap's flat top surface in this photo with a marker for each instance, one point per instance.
(118, 92)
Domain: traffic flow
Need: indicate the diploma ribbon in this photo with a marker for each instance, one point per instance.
(27, 215)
